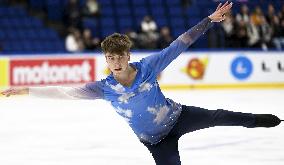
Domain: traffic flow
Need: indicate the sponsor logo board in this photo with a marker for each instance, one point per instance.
(50, 71)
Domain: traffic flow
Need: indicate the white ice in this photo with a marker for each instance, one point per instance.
(53, 132)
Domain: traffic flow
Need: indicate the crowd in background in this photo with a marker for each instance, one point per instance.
(150, 36)
(77, 38)
(253, 28)
(250, 28)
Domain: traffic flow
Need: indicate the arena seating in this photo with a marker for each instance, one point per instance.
(20, 31)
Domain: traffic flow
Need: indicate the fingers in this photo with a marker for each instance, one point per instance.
(5, 92)
(9, 92)
(224, 5)
(219, 14)
(219, 6)
(225, 9)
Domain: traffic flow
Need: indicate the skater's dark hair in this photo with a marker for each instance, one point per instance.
(116, 43)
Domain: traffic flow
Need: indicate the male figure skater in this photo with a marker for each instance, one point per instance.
(134, 92)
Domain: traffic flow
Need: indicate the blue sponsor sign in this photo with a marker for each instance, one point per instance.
(241, 68)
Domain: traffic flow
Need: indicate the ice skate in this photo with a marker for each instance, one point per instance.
(267, 120)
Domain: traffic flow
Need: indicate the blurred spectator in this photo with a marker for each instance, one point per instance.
(72, 14)
(253, 34)
(91, 8)
(148, 25)
(254, 28)
(256, 16)
(241, 31)
(241, 35)
(147, 41)
(278, 33)
(165, 37)
(270, 13)
(73, 41)
(265, 34)
(281, 13)
(243, 15)
(148, 37)
(90, 42)
(228, 27)
(133, 36)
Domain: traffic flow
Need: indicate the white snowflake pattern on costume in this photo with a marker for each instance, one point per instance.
(143, 137)
(125, 97)
(160, 112)
(118, 88)
(126, 113)
(145, 87)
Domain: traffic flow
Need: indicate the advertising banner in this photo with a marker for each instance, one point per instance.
(51, 71)
(216, 70)
(191, 70)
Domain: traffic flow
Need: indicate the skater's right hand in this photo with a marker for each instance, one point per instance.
(220, 14)
(15, 91)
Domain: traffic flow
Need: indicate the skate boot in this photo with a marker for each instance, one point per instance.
(266, 120)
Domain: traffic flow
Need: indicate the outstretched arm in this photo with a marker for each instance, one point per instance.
(88, 91)
(161, 60)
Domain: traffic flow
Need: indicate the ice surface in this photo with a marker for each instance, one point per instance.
(53, 132)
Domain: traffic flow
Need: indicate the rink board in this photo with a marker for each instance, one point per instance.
(191, 70)
(205, 70)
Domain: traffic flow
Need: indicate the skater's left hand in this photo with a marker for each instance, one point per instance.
(15, 91)
(220, 14)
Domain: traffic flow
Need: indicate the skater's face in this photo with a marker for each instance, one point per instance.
(117, 62)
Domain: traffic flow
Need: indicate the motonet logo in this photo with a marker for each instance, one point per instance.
(51, 71)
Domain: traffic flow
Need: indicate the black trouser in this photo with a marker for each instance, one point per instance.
(192, 119)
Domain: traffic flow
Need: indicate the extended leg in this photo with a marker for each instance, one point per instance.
(195, 118)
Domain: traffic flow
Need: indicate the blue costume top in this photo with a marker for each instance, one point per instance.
(150, 115)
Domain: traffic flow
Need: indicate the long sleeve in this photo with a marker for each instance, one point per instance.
(89, 91)
(159, 61)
